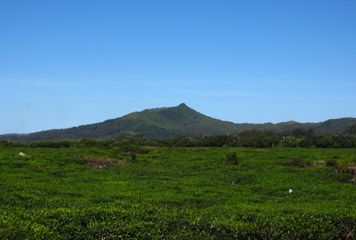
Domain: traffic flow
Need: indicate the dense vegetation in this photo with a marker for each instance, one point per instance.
(296, 138)
(89, 191)
(163, 123)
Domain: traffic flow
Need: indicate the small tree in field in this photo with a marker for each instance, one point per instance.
(133, 156)
(231, 158)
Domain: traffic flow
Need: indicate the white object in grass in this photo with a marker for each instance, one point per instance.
(290, 190)
(21, 154)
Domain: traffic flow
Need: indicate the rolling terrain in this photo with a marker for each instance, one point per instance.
(176, 193)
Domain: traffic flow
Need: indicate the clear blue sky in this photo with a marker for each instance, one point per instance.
(66, 63)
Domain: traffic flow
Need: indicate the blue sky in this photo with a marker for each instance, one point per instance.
(66, 63)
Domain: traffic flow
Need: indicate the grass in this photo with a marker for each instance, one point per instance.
(177, 193)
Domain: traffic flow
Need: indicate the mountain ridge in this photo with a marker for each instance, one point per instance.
(181, 120)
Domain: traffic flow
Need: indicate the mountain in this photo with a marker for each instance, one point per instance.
(173, 121)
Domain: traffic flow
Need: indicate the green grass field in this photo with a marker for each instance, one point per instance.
(177, 193)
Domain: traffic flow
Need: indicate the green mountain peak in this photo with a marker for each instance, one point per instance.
(180, 120)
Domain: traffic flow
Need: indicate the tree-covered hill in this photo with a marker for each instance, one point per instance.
(167, 122)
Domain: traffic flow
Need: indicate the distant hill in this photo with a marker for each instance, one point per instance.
(173, 121)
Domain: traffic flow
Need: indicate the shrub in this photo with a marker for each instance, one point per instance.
(231, 158)
(131, 148)
(129, 152)
(52, 144)
(298, 162)
(88, 142)
(4, 143)
(133, 156)
(331, 163)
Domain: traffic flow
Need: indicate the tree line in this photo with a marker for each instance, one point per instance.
(296, 138)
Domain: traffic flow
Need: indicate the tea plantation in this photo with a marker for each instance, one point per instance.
(177, 193)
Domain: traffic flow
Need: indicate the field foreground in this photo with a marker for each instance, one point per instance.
(177, 193)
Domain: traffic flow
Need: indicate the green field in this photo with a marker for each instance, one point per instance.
(177, 193)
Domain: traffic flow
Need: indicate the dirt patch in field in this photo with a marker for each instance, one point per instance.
(103, 163)
(319, 163)
(304, 163)
(298, 162)
(350, 171)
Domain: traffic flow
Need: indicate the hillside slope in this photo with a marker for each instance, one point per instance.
(174, 121)
(152, 123)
